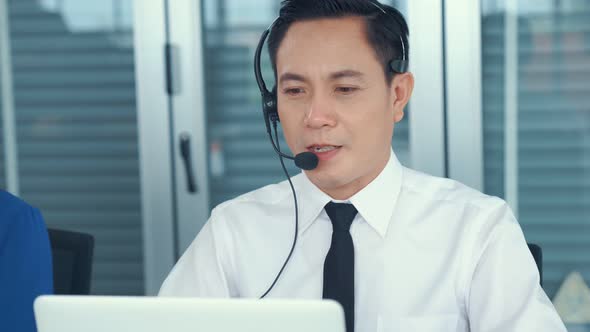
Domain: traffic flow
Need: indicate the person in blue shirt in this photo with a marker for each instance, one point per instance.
(25, 263)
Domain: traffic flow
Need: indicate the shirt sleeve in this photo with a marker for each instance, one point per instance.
(25, 268)
(504, 293)
(200, 271)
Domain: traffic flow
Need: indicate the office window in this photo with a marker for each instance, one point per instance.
(537, 134)
(240, 155)
(76, 130)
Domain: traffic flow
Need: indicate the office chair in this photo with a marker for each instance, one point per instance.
(538, 256)
(72, 261)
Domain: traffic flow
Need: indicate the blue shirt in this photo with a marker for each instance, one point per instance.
(25, 263)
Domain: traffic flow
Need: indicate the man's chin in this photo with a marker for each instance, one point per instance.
(326, 180)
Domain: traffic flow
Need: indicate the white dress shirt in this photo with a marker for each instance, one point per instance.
(430, 255)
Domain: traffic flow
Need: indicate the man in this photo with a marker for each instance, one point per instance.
(25, 263)
(400, 250)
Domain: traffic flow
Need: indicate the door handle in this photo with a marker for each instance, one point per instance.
(185, 153)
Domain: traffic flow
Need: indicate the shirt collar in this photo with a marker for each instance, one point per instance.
(375, 203)
(311, 201)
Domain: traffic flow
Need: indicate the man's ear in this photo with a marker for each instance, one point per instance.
(402, 86)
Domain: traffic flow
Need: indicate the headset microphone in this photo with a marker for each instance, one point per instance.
(306, 161)
(303, 160)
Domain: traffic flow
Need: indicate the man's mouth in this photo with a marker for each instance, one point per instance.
(326, 148)
(322, 148)
(324, 152)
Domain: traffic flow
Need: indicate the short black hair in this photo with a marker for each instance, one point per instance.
(385, 25)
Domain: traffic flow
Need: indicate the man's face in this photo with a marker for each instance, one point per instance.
(334, 101)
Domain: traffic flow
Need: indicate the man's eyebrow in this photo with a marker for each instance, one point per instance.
(346, 73)
(333, 76)
(291, 77)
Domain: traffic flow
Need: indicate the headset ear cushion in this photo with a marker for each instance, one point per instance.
(399, 66)
(269, 107)
(273, 93)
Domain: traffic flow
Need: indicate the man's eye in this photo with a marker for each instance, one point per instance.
(293, 91)
(346, 89)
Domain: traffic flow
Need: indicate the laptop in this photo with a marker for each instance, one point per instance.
(55, 313)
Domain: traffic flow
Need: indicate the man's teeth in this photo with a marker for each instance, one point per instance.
(324, 148)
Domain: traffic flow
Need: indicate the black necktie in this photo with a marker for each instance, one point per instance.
(339, 264)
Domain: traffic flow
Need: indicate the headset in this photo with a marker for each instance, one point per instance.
(304, 160)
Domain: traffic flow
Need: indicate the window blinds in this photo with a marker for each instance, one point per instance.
(553, 133)
(77, 138)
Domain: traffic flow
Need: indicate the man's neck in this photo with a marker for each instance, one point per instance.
(350, 189)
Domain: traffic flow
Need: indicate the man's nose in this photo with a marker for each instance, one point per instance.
(320, 113)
